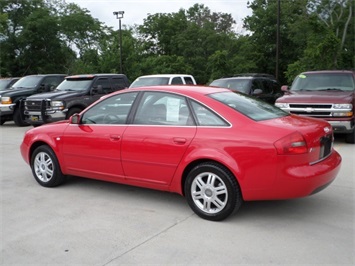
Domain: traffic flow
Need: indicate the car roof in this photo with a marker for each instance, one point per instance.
(165, 75)
(185, 89)
(329, 71)
(94, 75)
(43, 75)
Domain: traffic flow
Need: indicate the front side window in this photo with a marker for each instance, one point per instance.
(158, 108)
(104, 83)
(249, 106)
(113, 110)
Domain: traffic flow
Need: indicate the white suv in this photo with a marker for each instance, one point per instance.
(163, 79)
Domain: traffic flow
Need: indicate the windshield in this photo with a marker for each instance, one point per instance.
(251, 107)
(241, 85)
(4, 83)
(150, 81)
(324, 81)
(27, 82)
(74, 85)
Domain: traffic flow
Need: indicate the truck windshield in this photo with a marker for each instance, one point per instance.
(324, 81)
(27, 82)
(151, 81)
(249, 106)
(75, 85)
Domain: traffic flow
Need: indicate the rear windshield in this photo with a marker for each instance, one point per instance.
(241, 85)
(75, 85)
(251, 107)
(324, 82)
(150, 81)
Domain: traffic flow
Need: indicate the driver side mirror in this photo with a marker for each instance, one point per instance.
(74, 119)
(284, 88)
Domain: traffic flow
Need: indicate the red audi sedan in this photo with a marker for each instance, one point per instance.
(216, 147)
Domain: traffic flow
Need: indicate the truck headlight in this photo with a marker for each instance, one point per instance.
(343, 114)
(57, 105)
(282, 105)
(6, 100)
(347, 106)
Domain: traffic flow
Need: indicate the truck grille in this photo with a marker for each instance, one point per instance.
(312, 109)
(316, 106)
(36, 105)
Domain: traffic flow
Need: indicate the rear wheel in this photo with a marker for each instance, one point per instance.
(19, 118)
(45, 167)
(212, 191)
(350, 138)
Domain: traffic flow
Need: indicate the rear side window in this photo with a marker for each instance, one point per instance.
(176, 81)
(249, 106)
(119, 84)
(189, 81)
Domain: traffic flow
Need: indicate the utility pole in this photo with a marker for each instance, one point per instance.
(119, 16)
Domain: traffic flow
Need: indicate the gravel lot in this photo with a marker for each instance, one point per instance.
(88, 222)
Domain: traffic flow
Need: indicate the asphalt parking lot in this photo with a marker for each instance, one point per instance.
(88, 222)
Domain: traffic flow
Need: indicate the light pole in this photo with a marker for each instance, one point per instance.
(119, 15)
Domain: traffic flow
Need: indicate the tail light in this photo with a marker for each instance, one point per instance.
(291, 144)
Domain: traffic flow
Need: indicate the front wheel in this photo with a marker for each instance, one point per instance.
(45, 167)
(19, 118)
(350, 138)
(212, 191)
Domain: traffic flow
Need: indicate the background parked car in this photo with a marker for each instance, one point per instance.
(214, 146)
(72, 96)
(326, 94)
(6, 83)
(163, 79)
(262, 86)
(11, 100)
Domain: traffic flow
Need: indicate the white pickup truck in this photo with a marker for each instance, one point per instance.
(163, 79)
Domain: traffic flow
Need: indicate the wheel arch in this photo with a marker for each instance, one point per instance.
(39, 143)
(196, 162)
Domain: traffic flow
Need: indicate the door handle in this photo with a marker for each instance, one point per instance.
(115, 137)
(180, 140)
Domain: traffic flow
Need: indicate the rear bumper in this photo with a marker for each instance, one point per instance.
(299, 181)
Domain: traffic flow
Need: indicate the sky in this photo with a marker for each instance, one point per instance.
(136, 10)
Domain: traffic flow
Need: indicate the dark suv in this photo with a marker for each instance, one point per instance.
(72, 96)
(262, 86)
(11, 99)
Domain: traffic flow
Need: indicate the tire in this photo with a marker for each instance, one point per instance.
(212, 191)
(350, 138)
(45, 167)
(18, 119)
(73, 111)
(2, 121)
